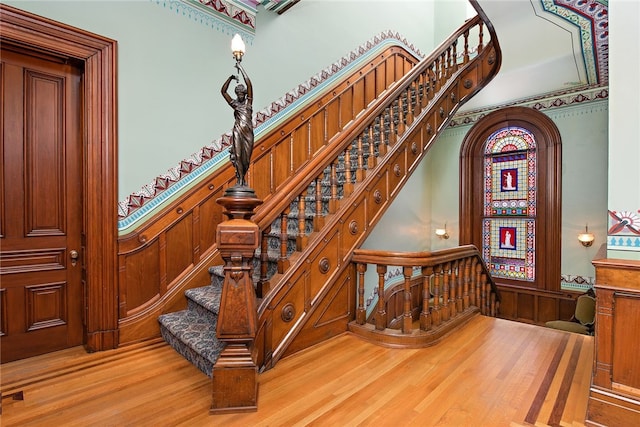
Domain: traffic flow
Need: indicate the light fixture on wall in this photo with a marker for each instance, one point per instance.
(442, 232)
(237, 47)
(586, 238)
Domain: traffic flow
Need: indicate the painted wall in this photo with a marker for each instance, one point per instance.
(171, 64)
(624, 129)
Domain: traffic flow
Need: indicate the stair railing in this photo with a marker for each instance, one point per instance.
(350, 155)
(374, 154)
(448, 283)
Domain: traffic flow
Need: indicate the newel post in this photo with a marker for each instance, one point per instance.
(235, 374)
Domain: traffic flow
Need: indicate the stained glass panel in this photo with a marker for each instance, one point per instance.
(510, 203)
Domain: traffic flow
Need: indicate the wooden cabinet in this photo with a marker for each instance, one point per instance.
(614, 396)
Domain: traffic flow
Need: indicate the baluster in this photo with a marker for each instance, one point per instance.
(448, 68)
(466, 47)
(472, 286)
(460, 285)
(407, 320)
(493, 303)
(422, 92)
(425, 314)
(382, 144)
(436, 78)
(301, 240)
(318, 219)
(283, 261)
(371, 161)
(409, 117)
(347, 187)
(381, 314)
(478, 287)
(262, 286)
(445, 292)
(467, 281)
(333, 202)
(437, 280)
(361, 316)
(455, 55)
(401, 127)
(453, 289)
(393, 135)
(360, 169)
(480, 36)
(485, 301)
(443, 70)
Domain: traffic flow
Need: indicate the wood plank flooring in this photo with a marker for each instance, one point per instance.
(491, 372)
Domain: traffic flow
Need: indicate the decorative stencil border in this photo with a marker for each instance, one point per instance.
(592, 19)
(189, 171)
(624, 230)
(230, 19)
(578, 283)
(540, 103)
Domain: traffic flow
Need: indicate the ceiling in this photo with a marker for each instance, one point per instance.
(548, 47)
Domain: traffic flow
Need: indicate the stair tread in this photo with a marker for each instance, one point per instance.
(206, 296)
(195, 331)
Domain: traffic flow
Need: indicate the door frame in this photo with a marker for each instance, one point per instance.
(99, 139)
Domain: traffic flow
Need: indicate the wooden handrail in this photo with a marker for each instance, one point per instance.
(451, 283)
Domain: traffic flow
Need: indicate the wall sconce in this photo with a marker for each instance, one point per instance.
(237, 47)
(586, 238)
(442, 232)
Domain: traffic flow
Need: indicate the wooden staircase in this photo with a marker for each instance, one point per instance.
(347, 157)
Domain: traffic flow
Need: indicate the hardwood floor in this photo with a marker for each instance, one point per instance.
(491, 372)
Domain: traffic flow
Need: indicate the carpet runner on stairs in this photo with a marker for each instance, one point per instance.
(192, 332)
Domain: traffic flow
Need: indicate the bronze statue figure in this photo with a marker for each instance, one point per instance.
(242, 136)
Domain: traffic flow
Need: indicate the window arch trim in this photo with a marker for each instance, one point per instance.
(549, 204)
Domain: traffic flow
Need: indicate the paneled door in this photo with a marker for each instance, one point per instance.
(41, 262)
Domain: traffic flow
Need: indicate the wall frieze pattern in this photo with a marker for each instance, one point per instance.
(542, 103)
(624, 230)
(592, 19)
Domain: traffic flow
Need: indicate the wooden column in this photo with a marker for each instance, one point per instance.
(235, 374)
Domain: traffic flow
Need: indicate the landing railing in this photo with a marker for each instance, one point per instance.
(440, 288)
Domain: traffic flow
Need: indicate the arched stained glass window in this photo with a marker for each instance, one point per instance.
(510, 191)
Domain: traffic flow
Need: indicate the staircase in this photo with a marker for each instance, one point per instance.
(192, 332)
(303, 272)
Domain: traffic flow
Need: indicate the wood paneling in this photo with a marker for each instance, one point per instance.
(179, 247)
(533, 306)
(614, 397)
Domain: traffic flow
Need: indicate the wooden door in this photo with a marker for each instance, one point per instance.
(41, 290)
